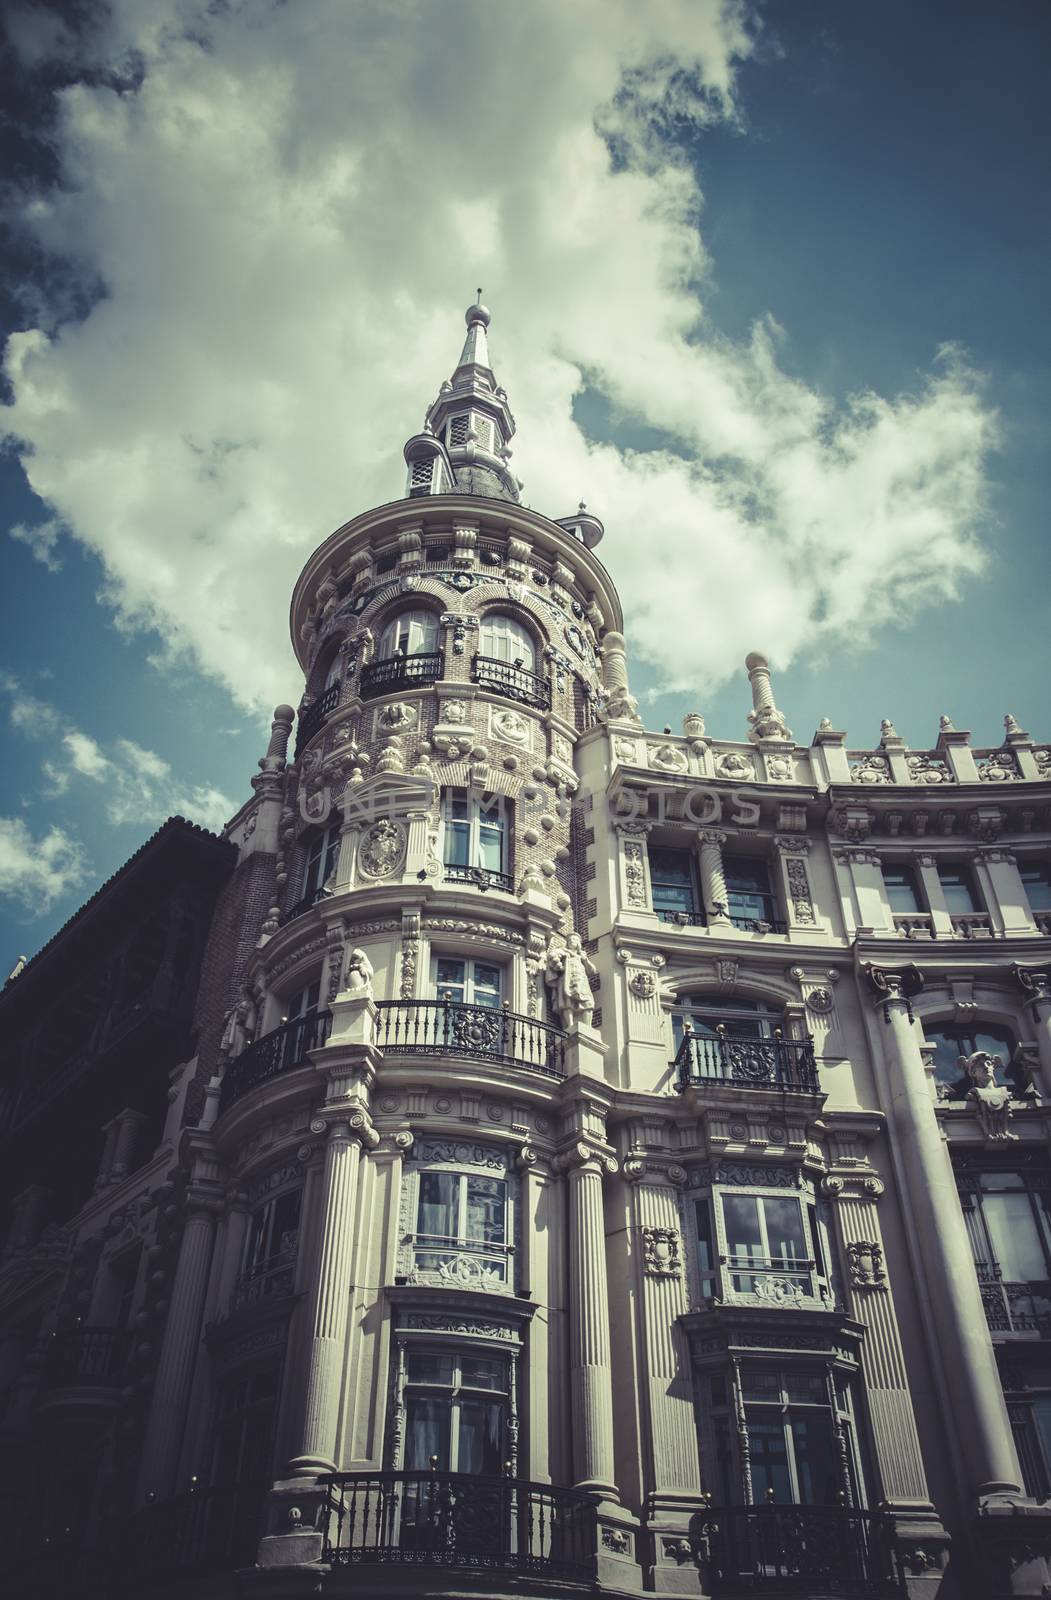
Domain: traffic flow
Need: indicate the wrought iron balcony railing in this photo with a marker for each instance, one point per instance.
(400, 672)
(746, 1062)
(279, 1051)
(304, 904)
(481, 877)
(488, 1033)
(512, 681)
(1014, 1307)
(454, 1520)
(89, 1358)
(267, 1280)
(805, 1550)
(312, 718)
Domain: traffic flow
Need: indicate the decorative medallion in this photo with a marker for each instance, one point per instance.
(866, 1264)
(643, 985)
(382, 849)
(661, 1252)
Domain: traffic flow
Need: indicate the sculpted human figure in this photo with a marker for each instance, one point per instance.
(991, 1101)
(567, 969)
(359, 973)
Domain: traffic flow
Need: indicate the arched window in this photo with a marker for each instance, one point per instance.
(502, 638)
(411, 633)
(335, 670)
(953, 1040)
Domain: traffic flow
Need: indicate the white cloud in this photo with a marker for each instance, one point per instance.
(283, 212)
(41, 541)
(38, 871)
(137, 785)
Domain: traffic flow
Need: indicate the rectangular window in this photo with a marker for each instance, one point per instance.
(765, 1236)
(464, 982)
(749, 894)
(1036, 876)
(790, 1436)
(270, 1249)
(456, 1409)
(321, 860)
(900, 883)
(673, 875)
(461, 1228)
(476, 837)
(706, 1271)
(957, 887)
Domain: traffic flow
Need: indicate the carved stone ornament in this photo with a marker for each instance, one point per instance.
(726, 971)
(454, 711)
(661, 1252)
(398, 717)
(382, 848)
(870, 769)
(779, 768)
(732, 765)
(991, 1101)
(865, 1258)
(799, 891)
(509, 726)
(778, 1291)
(625, 750)
(819, 1000)
(926, 768)
(667, 756)
(643, 985)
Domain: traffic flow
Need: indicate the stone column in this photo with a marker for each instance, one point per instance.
(767, 722)
(182, 1336)
(714, 892)
(948, 1279)
(331, 1295)
(1036, 985)
(619, 700)
(590, 1359)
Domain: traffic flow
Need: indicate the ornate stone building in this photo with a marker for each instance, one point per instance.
(607, 1160)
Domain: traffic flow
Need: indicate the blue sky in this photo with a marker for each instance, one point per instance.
(863, 184)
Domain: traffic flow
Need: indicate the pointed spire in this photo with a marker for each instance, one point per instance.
(464, 446)
(475, 352)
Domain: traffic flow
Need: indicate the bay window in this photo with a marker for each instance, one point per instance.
(769, 1248)
(456, 1406)
(270, 1248)
(1008, 1216)
(789, 1418)
(462, 1229)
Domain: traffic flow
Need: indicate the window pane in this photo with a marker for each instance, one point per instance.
(458, 844)
(784, 1229)
(423, 1366)
(481, 1444)
(814, 1457)
(901, 889)
(705, 1252)
(805, 1385)
(741, 1220)
(486, 985)
(486, 1202)
(757, 1383)
(477, 1372)
(504, 639)
(426, 1432)
(956, 887)
(1037, 880)
(746, 875)
(769, 1453)
(438, 1198)
(286, 1222)
(1014, 1237)
(450, 978)
(490, 847)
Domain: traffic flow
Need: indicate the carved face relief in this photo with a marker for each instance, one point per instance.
(643, 985)
(382, 849)
(509, 726)
(732, 765)
(668, 757)
(398, 717)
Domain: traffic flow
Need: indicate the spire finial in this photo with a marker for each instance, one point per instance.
(477, 314)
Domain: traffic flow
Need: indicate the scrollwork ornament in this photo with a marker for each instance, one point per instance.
(867, 1271)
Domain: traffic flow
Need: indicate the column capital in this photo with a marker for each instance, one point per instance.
(341, 1129)
(583, 1157)
(712, 836)
(788, 844)
(632, 829)
(888, 986)
(1035, 982)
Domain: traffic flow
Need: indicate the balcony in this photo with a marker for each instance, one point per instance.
(746, 1062)
(312, 718)
(482, 1033)
(86, 1358)
(914, 924)
(481, 877)
(280, 1051)
(511, 680)
(305, 904)
(1015, 1307)
(972, 925)
(804, 1550)
(400, 672)
(456, 1521)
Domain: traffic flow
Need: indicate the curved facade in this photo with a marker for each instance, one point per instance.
(610, 1157)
